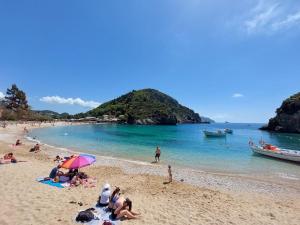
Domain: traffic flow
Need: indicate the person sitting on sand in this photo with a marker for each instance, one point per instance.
(123, 210)
(82, 178)
(157, 154)
(114, 198)
(76, 181)
(36, 148)
(72, 173)
(58, 175)
(58, 159)
(104, 196)
(18, 142)
(54, 172)
(9, 158)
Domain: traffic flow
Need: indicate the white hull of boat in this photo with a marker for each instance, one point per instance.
(291, 155)
(214, 134)
(228, 131)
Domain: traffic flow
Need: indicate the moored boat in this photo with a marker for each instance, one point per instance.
(228, 131)
(218, 133)
(276, 152)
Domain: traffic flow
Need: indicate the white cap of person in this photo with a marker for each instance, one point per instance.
(105, 194)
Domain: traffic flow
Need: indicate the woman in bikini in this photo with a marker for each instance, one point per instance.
(9, 158)
(123, 209)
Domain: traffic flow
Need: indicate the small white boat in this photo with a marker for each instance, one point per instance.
(228, 131)
(273, 151)
(218, 133)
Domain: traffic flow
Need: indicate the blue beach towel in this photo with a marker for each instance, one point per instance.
(103, 215)
(50, 182)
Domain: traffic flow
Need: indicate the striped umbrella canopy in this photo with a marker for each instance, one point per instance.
(79, 161)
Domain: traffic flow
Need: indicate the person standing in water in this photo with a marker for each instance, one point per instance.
(157, 154)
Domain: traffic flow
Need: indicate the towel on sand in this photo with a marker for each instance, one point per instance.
(51, 183)
(104, 215)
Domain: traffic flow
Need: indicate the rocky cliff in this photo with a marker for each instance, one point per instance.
(288, 116)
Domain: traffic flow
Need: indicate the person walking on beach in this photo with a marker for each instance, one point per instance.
(25, 130)
(157, 154)
(170, 174)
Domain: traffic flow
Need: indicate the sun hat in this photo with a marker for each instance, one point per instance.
(106, 186)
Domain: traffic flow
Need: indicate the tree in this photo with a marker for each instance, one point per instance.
(15, 99)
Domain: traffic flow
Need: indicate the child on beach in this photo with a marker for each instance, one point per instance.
(170, 174)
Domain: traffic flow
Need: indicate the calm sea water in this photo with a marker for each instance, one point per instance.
(182, 145)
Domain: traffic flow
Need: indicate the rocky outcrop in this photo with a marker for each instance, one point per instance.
(206, 120)
(287, 117)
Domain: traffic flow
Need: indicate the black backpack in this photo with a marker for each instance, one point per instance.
(85, 216)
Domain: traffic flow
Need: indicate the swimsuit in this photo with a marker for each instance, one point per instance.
(113, 215)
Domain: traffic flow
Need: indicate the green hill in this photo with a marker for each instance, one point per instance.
(52, 114)
(147, 106)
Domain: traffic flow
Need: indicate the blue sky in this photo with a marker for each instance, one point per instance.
(232, 60)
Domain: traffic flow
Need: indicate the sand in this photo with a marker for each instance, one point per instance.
(203, 197)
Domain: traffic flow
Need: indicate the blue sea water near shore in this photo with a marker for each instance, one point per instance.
(181, 145)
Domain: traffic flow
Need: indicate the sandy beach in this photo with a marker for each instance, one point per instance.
(201, 198)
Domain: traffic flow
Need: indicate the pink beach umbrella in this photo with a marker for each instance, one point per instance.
(79, 161)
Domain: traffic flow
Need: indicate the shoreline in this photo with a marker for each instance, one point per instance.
(197, 200)
(224, 181)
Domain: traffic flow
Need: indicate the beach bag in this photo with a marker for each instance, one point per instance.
(107, 223)
(85, 216)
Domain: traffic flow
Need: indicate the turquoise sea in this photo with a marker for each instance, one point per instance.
(181, 145)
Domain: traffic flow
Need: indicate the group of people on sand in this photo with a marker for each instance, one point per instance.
(73, 176)
(8, 158)
(59, 176)
(35, 148)
(120, 207)
(114, 203)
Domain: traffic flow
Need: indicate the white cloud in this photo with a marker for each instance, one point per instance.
(237, 95)
(289, 21)
(70, 101)
(1, 95)
(270, 16)
(262, 16)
